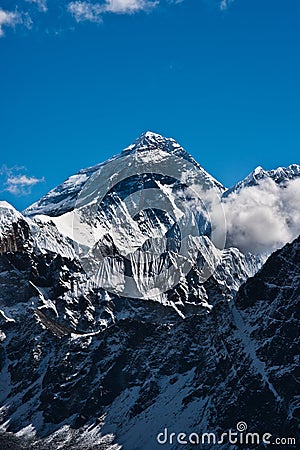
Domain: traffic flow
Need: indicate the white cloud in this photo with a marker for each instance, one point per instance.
(129, 6)
(92, 12)
(224, 4)
(85, 11)
(41, 4)
(80, 10)
(16, 183)
(261, 219)
(8, 19)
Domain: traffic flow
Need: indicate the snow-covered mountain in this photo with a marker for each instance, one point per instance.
(63, 198)
(262, 197)
(50, 225)
(88, 367)
(136, 213)
(281, 176)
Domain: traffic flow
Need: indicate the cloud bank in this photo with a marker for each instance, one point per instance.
(261, 219)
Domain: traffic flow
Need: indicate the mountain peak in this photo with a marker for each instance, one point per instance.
(150, 135)
(257, 170)
(63, 198)
(281, 176)
(4, 204)
(278, 175)
(152, 141)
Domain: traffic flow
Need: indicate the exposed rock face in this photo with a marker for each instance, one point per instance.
(270, 306)
(14, 230)
(16, 238)
(84, 368)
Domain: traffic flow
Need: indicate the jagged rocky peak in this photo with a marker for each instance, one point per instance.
(8, 214)
(14, 230)
(281, 176)
(151, 141)
(154, 143)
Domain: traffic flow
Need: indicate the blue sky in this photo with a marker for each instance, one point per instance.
(81, 80)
